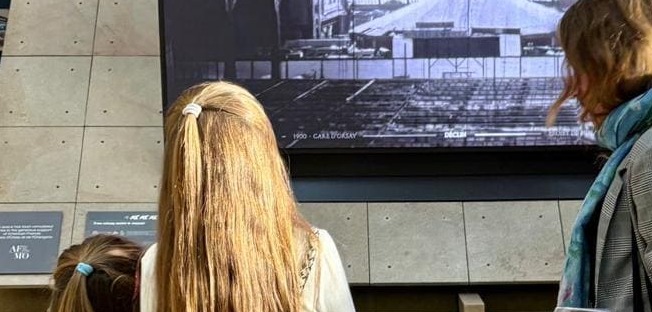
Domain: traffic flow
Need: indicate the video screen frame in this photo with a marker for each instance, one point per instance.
(333, 75)
(4, 18)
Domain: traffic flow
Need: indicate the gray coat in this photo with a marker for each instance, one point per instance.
(628, 202)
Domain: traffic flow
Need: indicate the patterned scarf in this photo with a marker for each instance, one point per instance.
(618, 133)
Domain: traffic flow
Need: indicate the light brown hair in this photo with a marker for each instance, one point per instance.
(608, 47)
(228, 220)
(111, 285)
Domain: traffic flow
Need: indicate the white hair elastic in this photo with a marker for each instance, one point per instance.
(192, 108)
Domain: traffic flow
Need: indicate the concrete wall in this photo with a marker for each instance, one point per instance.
(81, 130)
(80, 110)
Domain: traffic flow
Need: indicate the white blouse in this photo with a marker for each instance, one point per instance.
(329, 294)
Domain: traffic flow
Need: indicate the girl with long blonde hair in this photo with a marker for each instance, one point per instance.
(608, 46)
(230, 236)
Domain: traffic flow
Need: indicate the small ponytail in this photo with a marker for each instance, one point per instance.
(96, 276)
(74, 297)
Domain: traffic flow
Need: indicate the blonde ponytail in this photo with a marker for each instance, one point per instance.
(187, 217)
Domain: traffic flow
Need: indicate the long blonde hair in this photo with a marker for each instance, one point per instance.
(228, 221)
(608, 47)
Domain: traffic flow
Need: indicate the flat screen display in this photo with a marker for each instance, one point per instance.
(4, 14)
(383, 73)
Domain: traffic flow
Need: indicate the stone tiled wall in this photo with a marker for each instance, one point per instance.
(80, 110)
(81, 130)
(470, 243)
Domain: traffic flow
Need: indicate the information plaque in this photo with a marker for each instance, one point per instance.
(29, 241)
(139, 226)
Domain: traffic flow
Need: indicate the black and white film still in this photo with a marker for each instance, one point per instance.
(379, 73)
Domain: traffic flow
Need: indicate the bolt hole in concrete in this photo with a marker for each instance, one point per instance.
(386, 218)
(348, 218)
(67, 112)
(97, 186)
(389, 266)
(17, 70)
(101, 142)
(158, 142)
(488, 264)
(155, 186)
(58, 186)
(105, 111)
(63, 142)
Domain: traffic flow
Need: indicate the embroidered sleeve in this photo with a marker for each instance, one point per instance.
(309, 261)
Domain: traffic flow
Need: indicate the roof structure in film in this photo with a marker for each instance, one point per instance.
(530, 17)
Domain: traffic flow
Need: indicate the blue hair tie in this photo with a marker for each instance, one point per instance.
(84, 269)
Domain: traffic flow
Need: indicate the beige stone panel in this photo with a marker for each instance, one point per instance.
(83, 209)
(51, 27)
(43, 91)
(39, 164)
(125, 91)
(347, 224)
(39, 280)
(127, 27)
(412, 243)
(121, 164)
(568, 210)
(513, 242)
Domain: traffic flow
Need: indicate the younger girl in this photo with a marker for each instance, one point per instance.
(98, 275)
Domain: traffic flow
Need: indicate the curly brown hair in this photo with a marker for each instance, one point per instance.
(608, 47)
